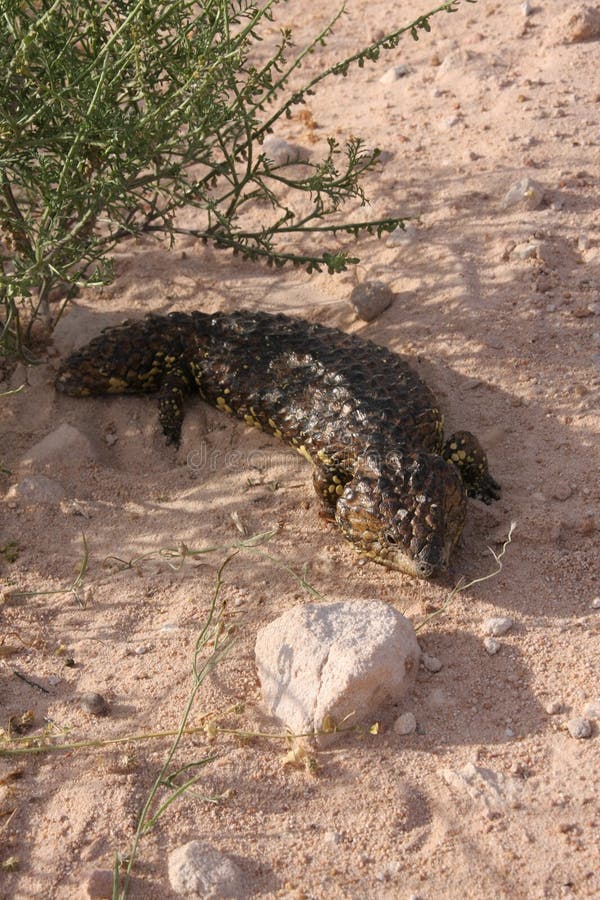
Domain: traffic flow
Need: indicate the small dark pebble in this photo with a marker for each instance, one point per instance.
(70, 662)
(94, 703)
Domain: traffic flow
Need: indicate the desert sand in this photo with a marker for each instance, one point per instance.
(497, 306)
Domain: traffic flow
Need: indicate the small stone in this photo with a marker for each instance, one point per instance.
(498, 625)
(198, 869)
(169, 628)
(282, 153)
(333, 837)
(111, 438)
(401, 236)
(579, 727)
(63, 447)
(450, 122)
(140, 650)
(405, 724)
(37, 490)
(595, 604)
(431, 663)
(562, 492)
(583, 242)
(577, 23)
(94, 703)
(370, 299)
(526, 251)
(525, 194)
(554, 707)
(592, 709)
(526, 8)
(491, 645)
(492, 791)
(394, 74)
(98, 885)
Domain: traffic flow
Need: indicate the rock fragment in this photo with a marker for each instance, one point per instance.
(431, 663)
(98, 885)
(580, 22)
(370, 299)
(400, 236)
(493, 791)
(394, 74)
(492, 646)
(323, 664)
(525, 194)
(497, 625)
(405, 724)
(592, 709)
(94, 703)
(37, 490)
(200, 870)
(283, 153)
(579, 727)
(65, 446)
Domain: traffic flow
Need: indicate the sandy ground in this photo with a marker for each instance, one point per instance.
(509, 338)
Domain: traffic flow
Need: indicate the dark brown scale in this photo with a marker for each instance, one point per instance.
(357, 411)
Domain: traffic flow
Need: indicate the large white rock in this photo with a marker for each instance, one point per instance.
(200, 870)
(342, 661)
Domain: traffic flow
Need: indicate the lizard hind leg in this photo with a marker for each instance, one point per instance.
(174, 386)
(464, 450)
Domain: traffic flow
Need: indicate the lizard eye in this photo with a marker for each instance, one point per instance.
(390, 537)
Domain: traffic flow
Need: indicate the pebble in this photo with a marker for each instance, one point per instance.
(579, 727)
(37, 490)
(333, 837)
(394, 74)
(580, 22)
(401, 236)
(450, 122)
(405, 724)
(524, 194)
(498, 625)
(525, 251)
(562, 492)
(169, 628)
(592, 709)
(554, 707)
(62, 448)
(198, 869)
(491, 645)
(139, 651)
(98, 885)
(595, 604)
(94, 703)
(370, 299)
(282, 153)
(431, 663)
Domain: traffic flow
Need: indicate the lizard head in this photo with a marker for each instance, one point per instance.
(405, 511)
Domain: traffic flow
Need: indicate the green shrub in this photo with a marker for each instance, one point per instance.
(114, 115)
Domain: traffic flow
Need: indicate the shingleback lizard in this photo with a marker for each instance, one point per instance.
(368, 424)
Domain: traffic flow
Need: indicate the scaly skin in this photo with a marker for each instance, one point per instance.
(371, 428)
